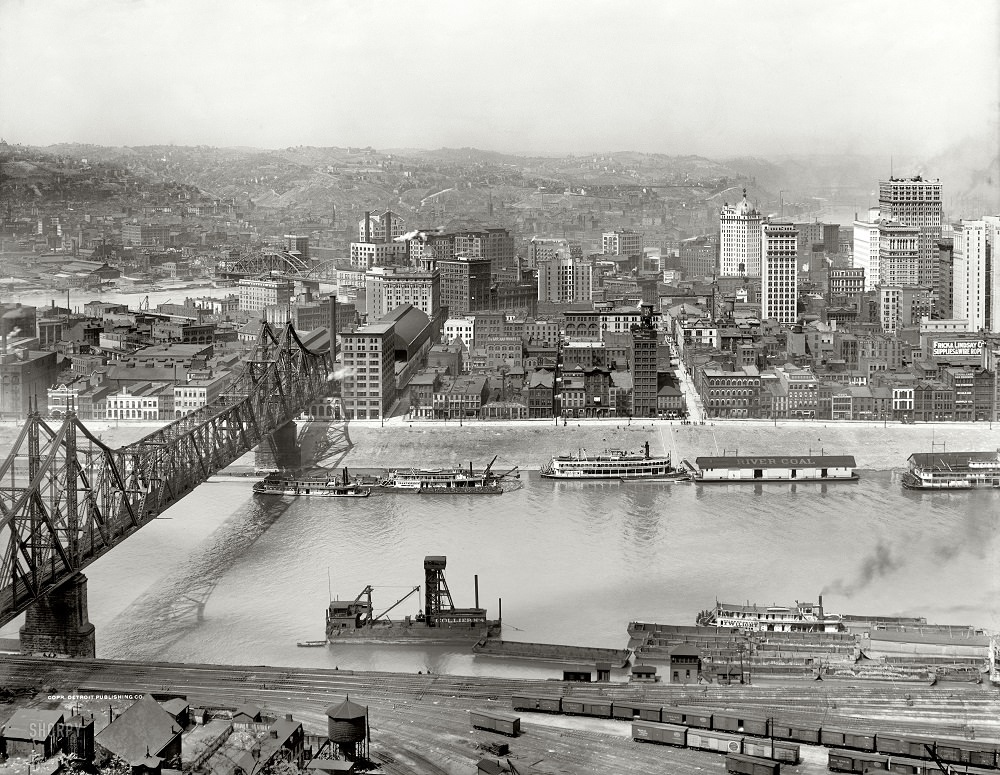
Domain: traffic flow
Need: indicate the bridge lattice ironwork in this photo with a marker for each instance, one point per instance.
(66, 498)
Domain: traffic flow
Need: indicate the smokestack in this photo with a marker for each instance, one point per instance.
(477, 589)
(500, 609)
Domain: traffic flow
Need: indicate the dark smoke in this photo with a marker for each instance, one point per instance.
(877, 565)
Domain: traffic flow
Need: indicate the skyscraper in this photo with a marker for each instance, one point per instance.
(916, 202)
(622, 242)
(740, 240)
(976, 269)
(565, 278)
(779, 276)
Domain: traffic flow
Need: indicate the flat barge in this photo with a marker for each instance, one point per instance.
(952, 471)
(774, 468)
(611, 464)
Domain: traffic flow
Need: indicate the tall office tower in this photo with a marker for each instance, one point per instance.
(495, 244)
(621, 242)
(977, 274)
(898, 254)
(380, 227)
(945, 291)
(779, 275)
(389, 287)
(740, 240)
(563, 278)
(643, 345)
(465, 284)
(916, 202)
(543, 248)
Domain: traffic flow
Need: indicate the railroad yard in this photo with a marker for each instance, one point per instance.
(420, 723)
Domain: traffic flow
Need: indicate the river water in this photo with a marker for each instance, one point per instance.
(572, 562)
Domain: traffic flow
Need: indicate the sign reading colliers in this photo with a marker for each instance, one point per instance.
(954, 348)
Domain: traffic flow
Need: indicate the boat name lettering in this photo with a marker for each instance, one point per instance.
(785, 461)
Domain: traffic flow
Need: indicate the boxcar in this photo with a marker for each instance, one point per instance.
(655, 732)
(697, 717)
(640, 710)
(907, 766)
(905, 746)
(793, 730)
(503, 723)
(739, 722)
(772, 749)
(548, 703)
(847, 738)
(751, 765)
(961, 752)
(586, 706)
(853, 761)
(723, 742)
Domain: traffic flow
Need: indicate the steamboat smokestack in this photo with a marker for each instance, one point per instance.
(477, 589)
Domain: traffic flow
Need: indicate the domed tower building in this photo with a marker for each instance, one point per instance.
(740, 239)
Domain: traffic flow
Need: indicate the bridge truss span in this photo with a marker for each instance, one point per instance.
(66, 498)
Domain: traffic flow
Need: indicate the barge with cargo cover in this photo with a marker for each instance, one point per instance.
(752, 469)
(439, 621)
(952, 471)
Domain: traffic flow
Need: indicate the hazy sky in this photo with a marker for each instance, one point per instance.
(674, 76)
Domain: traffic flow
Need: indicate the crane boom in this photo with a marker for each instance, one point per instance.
(415, 589)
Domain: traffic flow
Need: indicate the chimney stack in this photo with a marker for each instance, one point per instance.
(477, 590)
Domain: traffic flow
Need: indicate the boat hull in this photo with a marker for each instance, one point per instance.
(415, 632)
(780, 480)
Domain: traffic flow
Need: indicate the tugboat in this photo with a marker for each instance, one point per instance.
(324, 487)
(447, 481)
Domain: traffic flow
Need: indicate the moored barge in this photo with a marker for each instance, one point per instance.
(611, 464)
(774, 468)
(439, 621)
(952, 471)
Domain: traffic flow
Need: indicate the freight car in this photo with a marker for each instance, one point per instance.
(788, 728)
(639, 710)
(548, 703)
(720, 742)
(739, 722)
(502, 723)
(655, 732)
(854, 761)
(741, 764)
(847, 738)
(586, 706)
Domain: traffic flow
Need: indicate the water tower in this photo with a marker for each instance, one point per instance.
(347, 726)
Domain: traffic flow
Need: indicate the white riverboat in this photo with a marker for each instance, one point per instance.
(611, 464)
(801, 617)
(952, 470)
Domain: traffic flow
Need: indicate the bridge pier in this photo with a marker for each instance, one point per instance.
(58, 623)
(280, 449)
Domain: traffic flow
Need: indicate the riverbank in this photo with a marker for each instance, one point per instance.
(530, 444)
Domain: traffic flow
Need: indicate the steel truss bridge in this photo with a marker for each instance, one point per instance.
(67, 499)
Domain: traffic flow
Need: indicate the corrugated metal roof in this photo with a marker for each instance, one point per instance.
(949, 460)
(778, 461)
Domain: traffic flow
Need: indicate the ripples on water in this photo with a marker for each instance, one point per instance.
(573, 562)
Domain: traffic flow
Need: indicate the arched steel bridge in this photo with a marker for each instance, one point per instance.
(67, 499)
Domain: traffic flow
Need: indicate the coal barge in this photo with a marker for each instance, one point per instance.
(439, 621)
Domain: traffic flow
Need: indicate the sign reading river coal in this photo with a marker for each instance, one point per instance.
(957, 349)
